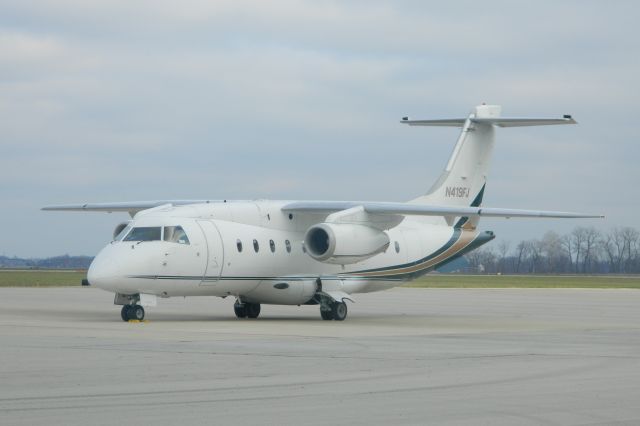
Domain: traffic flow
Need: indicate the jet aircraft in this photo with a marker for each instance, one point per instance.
(305, 252)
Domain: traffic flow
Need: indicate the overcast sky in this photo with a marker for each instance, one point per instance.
(135, 100)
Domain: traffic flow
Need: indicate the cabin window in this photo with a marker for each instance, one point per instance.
(287, 245)
(175, 234)
(144, 233)
(239, 245)
(397, 245)
(272, 246)
(256, 247)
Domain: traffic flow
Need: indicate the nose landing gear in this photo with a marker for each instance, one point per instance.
(132, 312)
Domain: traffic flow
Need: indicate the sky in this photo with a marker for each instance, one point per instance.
(140, 100)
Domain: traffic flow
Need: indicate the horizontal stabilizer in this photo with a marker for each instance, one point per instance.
(498, 121)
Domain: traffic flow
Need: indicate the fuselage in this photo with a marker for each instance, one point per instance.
(255, 251)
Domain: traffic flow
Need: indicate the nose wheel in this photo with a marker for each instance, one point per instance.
(132, 312)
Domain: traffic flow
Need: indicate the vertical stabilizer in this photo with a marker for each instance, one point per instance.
(464, 178)
(463, 181)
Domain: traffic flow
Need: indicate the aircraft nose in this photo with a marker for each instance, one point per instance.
(102, 271)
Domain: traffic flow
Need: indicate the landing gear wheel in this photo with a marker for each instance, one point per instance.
(339, 311)
(240, 310)
(132, 312)
(253, 309)
(124, 313)
(326, 315)
(136, 312)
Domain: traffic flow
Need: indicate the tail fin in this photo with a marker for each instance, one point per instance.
(463, 181)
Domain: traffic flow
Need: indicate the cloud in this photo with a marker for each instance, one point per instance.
(115, 100)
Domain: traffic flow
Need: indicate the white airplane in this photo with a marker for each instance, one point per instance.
(304, 252)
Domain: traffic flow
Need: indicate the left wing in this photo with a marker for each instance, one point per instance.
(383, 208)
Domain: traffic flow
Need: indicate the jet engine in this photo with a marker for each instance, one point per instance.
(342, 243)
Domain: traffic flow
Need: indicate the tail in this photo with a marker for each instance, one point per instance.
(463, 181)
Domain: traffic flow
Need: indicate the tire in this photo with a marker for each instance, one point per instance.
(124, 313)
(240, 310)
(136, 312)
(326, 315)
(339, 311)
(253, 310)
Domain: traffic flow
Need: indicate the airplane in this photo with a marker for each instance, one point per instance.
(305, 252)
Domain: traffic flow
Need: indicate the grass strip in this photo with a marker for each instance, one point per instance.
(525, 281)
(41, 278)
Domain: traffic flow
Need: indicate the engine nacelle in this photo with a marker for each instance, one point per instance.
(343, 243)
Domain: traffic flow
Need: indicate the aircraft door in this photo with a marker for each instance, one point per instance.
(184, 250)
(215, 252)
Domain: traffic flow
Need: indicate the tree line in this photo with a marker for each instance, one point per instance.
(585, 250)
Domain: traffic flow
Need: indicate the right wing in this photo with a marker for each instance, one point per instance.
(383, 208)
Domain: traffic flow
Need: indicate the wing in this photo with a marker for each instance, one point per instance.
(131, 207)
(381, 208)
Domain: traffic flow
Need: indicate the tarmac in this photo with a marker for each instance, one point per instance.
(404, 356)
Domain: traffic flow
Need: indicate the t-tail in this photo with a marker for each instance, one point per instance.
(464, 179)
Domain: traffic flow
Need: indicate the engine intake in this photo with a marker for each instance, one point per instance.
(343, 244)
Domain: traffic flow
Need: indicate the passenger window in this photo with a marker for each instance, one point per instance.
(397, 244)
(239, 245)
(272, 246)
(287, 245)
(256, 247)
(144, 233)
(175, 234)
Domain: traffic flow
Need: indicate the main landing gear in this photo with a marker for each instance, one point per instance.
(132, 312)
(246, 309)
(334, 311)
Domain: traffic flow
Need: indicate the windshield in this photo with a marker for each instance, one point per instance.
(175, 234)
(144, 233)
(122, 233)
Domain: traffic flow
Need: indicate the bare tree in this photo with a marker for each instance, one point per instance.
(535, 253)
(503, 250)
(567, 245)
(482, 260)
(631, 240)
(522, 251)
(613, 247)
(553, 252)
(582, 251)
(590, 241)
(577, 241)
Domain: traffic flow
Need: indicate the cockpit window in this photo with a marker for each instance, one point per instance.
(144, 233)
(122, 233)
(175, 234)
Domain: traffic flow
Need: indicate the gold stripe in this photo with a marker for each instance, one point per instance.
(466, 237)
